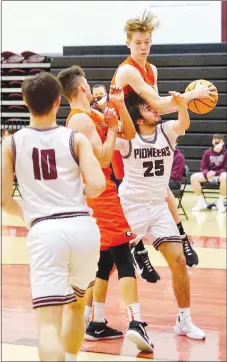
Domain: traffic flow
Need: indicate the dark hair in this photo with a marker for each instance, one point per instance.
(70, 79)
(132, 103)
(218, 135)
(98, 86)
(40, 92)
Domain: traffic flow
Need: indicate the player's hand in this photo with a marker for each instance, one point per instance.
(210, 175)
(178, 98)
(111, 117)
(116, 95)
(206, 91)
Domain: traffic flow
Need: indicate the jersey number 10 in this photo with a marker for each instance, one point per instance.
(48, 164)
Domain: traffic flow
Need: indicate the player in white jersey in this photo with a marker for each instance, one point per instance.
(147, 164)
(49, 162)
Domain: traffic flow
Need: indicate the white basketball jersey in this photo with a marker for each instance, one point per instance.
(48, 173)
(147, 167)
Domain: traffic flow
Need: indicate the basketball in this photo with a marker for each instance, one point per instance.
(201, 105)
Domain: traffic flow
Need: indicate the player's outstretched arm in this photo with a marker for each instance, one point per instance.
(90, 167)
(9, 205)
(183, 121)
(116, 100)
(128, 75)
(82, 122)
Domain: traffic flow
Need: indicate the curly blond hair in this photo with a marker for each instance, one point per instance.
(145, 24)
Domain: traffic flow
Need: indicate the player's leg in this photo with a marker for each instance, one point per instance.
(223, 190)
(98, 328)
(189, 253)
(196, 180)
(49, 257)
(141, 260)
(84, 241)
(49, 323)
(88, 305)
(166, 238)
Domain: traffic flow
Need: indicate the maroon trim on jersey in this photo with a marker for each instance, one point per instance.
(14, 151)
(71, 146)
(168, 239)
(53, 300)
(64, 215)
(167, 139)
(43, 129)
(129, 151)
(147, 141)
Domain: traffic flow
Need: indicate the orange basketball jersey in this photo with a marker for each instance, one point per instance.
(149, 78)
(107, 208)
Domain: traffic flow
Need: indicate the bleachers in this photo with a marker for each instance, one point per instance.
(177, 65)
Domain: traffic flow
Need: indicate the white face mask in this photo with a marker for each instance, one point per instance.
(102, 101)
(218, 146)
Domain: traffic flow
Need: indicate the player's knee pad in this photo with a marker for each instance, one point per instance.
(105, 265)
(122, 257)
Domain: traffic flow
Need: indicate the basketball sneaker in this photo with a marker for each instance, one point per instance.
(185, 327)
(142, 264)
(189, 253)
(100, 331)
(137, 334)
(200, 205)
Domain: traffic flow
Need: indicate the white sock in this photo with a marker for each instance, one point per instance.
(98, 312)
(201, 198)
(134, 312)
(184, 313)
(221, 199)
(87, 314)
(70, 357)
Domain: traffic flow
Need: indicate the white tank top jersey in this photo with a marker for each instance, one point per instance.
(147, 164)
(47, 171)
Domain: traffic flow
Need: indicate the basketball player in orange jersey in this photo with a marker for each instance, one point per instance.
(115, 231)
(137, 75)
(48, 161)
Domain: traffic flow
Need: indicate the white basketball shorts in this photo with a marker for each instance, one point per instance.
(152, 220)
(64, 255)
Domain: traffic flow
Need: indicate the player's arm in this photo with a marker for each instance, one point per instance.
(82, 122)
(90, 167)
(116, 100)
(183, 121)
(9, 205)
(128, 75)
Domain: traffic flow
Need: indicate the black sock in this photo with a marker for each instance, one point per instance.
(140, 246)
(181, 229)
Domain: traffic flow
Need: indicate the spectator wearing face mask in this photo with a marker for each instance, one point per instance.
(214, 170)
(177, 171)
(100, 97)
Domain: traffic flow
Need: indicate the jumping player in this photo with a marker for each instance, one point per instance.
(115, 231)
(147, 163)
(48, 161)
(137, 75)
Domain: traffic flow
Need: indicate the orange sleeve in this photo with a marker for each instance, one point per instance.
(117, 165)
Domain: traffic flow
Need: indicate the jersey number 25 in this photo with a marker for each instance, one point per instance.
(157, 166)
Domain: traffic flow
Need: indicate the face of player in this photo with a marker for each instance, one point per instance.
(150, 116)
(218, 143)
(140, 44)
(100, 96)
(87, 90)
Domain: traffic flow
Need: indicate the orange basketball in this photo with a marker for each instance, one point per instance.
(201, 105)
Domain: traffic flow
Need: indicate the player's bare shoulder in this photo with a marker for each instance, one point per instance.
(124, 73)
(80, 122)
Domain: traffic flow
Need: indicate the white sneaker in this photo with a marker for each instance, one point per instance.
(200, 205)
(185, 327)
(220, 205)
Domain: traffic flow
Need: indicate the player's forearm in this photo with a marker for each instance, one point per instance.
(161, 104)
(183, 117)
(12, 207)
(127, 125)
(106, 154)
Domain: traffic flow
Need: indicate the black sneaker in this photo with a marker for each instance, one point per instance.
(189, 253)
(99, 330)
(143, 266)
(137, 334)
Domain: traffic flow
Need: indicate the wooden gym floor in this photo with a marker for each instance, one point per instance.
(208, 306)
